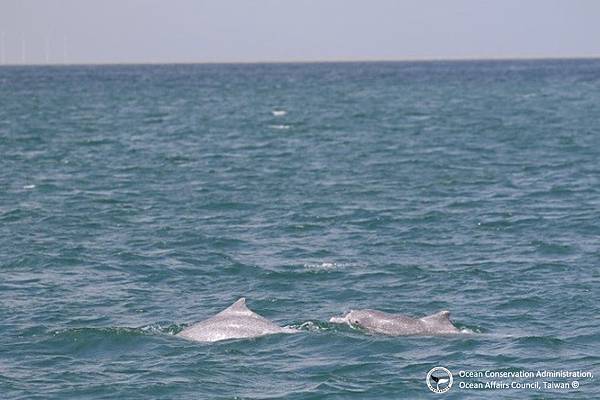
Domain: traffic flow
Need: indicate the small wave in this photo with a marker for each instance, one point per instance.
(312, 326)
(552, 248)
(28, 186)
(329, 266)
(322, 266)
(279, 126)
(152, 121)
(279, 113)
(95, 142)
(322, 326)
(152, 329)
(155, 329)
(419, 117)
(469, 329)
(76, 333)
(540, 341)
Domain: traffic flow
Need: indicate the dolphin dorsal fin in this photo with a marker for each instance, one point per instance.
(442, 317)
(239, 307)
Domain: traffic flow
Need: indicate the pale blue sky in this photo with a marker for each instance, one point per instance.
(107, 31)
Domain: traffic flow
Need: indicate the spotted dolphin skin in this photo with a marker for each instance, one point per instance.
(235, 322)
(398, 324)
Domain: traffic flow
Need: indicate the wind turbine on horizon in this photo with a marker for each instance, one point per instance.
(64, 58)
(47, 50)
(23, 50)
(2, 54)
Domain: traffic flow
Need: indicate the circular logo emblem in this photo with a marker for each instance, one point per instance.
(439, 380)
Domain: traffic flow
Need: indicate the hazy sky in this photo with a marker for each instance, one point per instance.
(90, 31)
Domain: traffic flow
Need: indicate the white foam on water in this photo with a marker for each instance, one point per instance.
(329, 266)
(311, 327)
(528, 95)
(279, 113)
(420, 117)
(28, 186)
(279, 126)
(321, 266)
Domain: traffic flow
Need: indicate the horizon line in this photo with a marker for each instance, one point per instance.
(308, 61)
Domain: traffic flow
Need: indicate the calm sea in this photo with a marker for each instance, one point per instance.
(136, 200)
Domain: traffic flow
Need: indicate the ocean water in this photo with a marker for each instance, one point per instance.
(136, 200)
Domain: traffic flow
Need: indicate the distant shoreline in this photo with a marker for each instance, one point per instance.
(332, 61)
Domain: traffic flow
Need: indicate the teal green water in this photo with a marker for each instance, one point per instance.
(136, 200)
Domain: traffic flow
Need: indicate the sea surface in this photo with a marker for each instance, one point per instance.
(137, 200)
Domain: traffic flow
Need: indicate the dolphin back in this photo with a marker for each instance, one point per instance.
(235, 322)
(440, 322)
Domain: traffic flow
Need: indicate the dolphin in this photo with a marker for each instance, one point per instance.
(439, 380)
(398, 324)
(235, 322)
